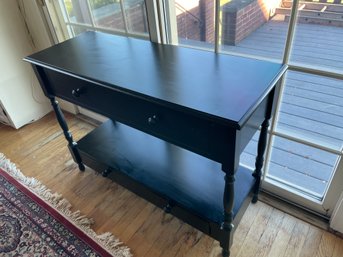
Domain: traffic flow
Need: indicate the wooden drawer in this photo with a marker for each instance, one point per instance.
(174, 126)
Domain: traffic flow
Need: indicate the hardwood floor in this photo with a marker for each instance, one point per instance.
(40, 151)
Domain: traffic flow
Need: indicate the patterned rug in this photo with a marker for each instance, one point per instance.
(36, 222)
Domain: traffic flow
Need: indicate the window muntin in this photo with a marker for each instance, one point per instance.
(114, 16)
(303, 168)
(311, 108)
(318, 36)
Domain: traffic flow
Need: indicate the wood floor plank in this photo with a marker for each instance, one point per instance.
(297, 240)
(113, 211)
(326, 244)
(136, 209)
(190, 241)
(256, 231)
(202, 249)
(312, 242)
(188, 238)
(244, 227)
(137, 222)
(283, 236)
(40, 151)
(338, 248)
(166, 238)
(268, 238)
(145, 237)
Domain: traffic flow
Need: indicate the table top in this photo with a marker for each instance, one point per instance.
(223, 87)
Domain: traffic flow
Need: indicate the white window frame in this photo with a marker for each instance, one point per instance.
(61, 21)
(323, 207)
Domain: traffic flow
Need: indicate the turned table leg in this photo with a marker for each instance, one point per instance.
(228, 202)
(71, 144)
(261, 148)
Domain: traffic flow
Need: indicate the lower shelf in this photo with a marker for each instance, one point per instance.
(163, 173)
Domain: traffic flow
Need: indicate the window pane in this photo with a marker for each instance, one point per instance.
(135, 12)
(253, 27)
(75, 30)
(319, 36)
(248, 156)
(107, 14)
(301, 167)
(77, 11)
(311, 108)
(195, 22)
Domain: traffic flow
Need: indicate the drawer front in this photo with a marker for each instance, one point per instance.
(177, 127)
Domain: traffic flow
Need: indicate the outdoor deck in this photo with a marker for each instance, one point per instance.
(312, 106)
(316, 45)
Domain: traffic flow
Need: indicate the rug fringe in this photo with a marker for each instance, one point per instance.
(107, 240)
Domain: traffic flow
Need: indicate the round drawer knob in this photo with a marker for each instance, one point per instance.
(152, 120)
(76, 92)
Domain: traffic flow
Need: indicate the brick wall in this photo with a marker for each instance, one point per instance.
(241, 18)
(136, 19)
(197, 23)
(189, 24)
(209, 16)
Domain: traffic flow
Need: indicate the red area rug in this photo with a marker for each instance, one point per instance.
(36, 222)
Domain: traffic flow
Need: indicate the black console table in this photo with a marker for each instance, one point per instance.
(179, 120)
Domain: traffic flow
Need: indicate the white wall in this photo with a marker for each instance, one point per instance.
(31, 14)
(40, 36)
(20, 93)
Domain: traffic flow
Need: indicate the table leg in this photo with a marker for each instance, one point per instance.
(228, 201)
(71, 144)
(261, 148)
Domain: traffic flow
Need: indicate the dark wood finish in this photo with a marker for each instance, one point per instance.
(228, 203)
(260, 158)
(72, 145)
(169, 176)
(261, 147)
(225, 88)
(207, 103)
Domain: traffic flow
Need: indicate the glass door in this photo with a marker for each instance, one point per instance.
(308, 129)
(306, 134)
